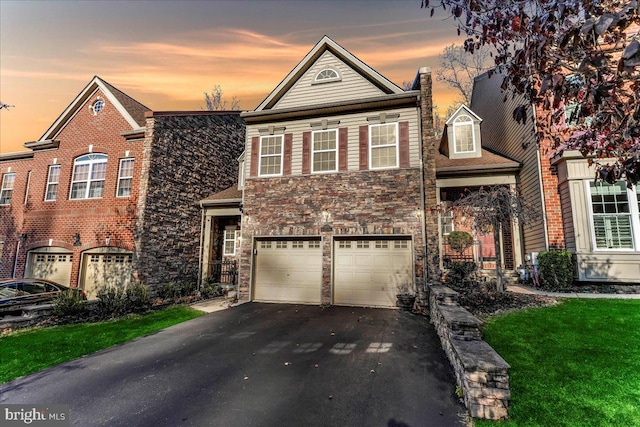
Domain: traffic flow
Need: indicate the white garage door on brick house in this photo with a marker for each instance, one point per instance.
(288, 271)
(370, 272)
(105, 267)
(51, 263)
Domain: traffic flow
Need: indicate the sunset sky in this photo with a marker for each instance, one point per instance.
(165, 54)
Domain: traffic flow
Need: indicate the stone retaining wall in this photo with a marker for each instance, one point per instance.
(480, 372)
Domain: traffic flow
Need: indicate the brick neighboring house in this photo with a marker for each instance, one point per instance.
(340, 184)
(110, 191)
(598, 222)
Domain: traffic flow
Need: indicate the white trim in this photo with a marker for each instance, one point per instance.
(225, 240)
(271, 155)
(467, 109)
(120, 177)
(3, 188)
(46, 188)
(471, 123)
(91, 162)
(632, 202)
(72, 109)
(313, 151)
(397, 144)
(337, 78)
(352, 61)
(26, 191)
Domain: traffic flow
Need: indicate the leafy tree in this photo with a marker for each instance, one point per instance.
(488, 209)
(557, 53)
(458, 68)
(214, 101)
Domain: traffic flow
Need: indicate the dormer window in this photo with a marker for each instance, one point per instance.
(464, 139)
(327, 75)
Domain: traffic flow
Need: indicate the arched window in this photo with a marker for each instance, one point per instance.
(463, 134)
(327, 75)
(89, 172)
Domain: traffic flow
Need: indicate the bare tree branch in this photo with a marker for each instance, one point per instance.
(214, 101)
(458, 68)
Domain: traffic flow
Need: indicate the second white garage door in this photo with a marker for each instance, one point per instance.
(288, 271)
(369, 272)
(105, 269)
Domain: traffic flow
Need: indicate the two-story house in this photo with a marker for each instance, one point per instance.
(340, 184)
(110, 191)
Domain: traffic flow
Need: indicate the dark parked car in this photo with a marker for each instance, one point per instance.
(15, 292)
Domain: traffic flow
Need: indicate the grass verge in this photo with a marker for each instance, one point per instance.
(574, 364)
(26, 352)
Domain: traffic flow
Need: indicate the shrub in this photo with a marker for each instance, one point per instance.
(460, 241)
(556, 269)
(111, 301)
(174, 290)
(69, 303)
(460, 271)
(210, 289)
(137, 298)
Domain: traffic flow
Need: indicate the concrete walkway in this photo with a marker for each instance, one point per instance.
(211, 305)
(521, 289)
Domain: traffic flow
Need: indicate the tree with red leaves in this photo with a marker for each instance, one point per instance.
(555, 53)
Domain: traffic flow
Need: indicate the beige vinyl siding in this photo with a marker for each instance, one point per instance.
(352, 122)
(352, 86)
(501, 133)
(567, 217)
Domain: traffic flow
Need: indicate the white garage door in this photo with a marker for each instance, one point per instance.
(105, 269)
(370, 272)
(51, 266)
(288, 271)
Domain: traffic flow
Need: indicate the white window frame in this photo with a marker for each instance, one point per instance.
(632, 201)
(318, 79)
(227, 239)
(91, 160)
(314, 151)
(50, 183)
(447, 213)
(5, 187)
(281, 155)
(397, 145)
(456, 124)
(122, 178)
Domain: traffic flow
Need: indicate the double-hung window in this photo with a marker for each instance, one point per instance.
(89, 172)
(6, 191)
(125, 176)
(52, 183)
(271, 148)
(325, 151)
(615, 216)
(464, 140)
(230, 235)
(383, 145)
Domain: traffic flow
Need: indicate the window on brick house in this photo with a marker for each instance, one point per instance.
(89, 172)
(52, 183)
(125, 176)
(271, 155)
(325, 151)
(383, 145)
(6, 191)
(615, 216)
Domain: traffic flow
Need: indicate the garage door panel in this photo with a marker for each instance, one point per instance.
(105, 269)
(51, 266)
(288, 271)
(368, 273)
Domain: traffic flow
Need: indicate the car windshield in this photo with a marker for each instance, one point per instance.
(8, 291)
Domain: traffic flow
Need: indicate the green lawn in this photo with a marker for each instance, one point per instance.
(574, 364)
(24, 353)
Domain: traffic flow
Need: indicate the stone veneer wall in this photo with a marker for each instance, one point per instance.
(186, 157)
(357, 203)
(481, 373)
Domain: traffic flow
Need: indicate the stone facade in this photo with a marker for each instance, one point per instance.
(364, 203)
(187, 156)
(481, 374)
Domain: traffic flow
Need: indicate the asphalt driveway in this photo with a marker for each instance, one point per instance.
(261, 365)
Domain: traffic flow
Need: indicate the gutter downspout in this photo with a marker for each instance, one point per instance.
(542, 199)
(15, 261)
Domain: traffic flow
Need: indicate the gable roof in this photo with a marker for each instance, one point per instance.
(466, 109)
(132, 110)
(489, 162)
(327, 44)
